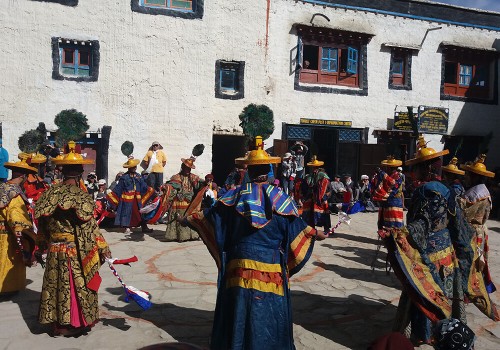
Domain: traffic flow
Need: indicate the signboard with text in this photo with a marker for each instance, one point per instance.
(402, 121)
(325, 122)
(433, 120)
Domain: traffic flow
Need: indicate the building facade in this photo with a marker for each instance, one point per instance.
(334, 72)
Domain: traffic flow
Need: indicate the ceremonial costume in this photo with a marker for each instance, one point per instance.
(431, 256)
(75, 251)
(184, 185)
(315, 196)
(130, 195)
(258, 240)
(478, 206)
(17, 240)
(388, 191)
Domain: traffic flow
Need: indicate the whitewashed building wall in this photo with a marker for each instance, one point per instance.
(157, 73)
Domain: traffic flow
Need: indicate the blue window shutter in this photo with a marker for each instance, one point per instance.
(352, 60)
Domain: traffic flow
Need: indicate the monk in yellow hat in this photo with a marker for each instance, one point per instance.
(478, 208)
(75, 250)
(17, 240)
(315, 194)
(258, 241)
(429, 256)
(388, 192)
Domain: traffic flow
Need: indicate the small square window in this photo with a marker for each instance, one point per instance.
(188, 9)
(75, 59)
(229, 77)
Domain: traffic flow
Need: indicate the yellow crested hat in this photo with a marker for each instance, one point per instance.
(478, 167)
(36, 158)
(257, 156)
(21, 166)
(391, 162)
(72, 157)
(425, 153)
(315, 162)
(131, 162)
(452, 167)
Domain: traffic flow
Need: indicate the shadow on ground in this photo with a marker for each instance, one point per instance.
(182, 323)
(353, 322)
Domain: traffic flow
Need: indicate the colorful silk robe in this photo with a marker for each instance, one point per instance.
(183, 191)
(315, 203)
(477, 211)
(388, 192)
(424, 259)
(130, 195)
(257, 240)
(75, 246)
(13, 217)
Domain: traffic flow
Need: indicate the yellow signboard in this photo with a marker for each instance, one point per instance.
(344, 123)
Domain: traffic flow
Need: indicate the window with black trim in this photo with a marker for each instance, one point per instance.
(329, 63)
(188, 9)
(62, 2)
(331, 60)
(75, 59)
(400, 69)
(468, 73)
(229, 79)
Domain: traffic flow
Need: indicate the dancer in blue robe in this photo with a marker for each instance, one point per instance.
(257, 239)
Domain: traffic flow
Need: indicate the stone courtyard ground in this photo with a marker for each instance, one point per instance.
(339, 302)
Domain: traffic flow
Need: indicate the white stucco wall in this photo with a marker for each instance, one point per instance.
(157, 73)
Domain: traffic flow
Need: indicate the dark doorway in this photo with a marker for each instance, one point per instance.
(225, 148)
(323, 145)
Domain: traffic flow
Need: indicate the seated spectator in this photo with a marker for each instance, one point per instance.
(338, 190)
(117, 178)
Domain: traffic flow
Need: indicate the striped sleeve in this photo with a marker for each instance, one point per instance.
(301, 245)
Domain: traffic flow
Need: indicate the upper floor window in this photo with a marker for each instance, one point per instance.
(62, 2)
(186, 5)
(331, 60)
(468, 73)
(329, 63)
(75, 59)
(400, 69)
(229, 79)
(188, 9)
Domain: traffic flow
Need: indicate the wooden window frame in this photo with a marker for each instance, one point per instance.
(169, 5)
(238, 91)
(341, 77)
(400, 80)
(195, 12)
(77, 48)
(457, 58)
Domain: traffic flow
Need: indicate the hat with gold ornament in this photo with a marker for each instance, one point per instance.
(425, 153)
(391, 162)
(72, 157)
(195, 153)
(21, 166)
(36, 158)
(127, 149)
(315, 162)
(258, 155)
(478, 167)
(452, 167)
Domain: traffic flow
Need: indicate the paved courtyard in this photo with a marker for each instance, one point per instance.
(338, 301)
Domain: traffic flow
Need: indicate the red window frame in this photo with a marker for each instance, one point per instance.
(341, 76)
(65, 50)
(456, 58)
(398, 79)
